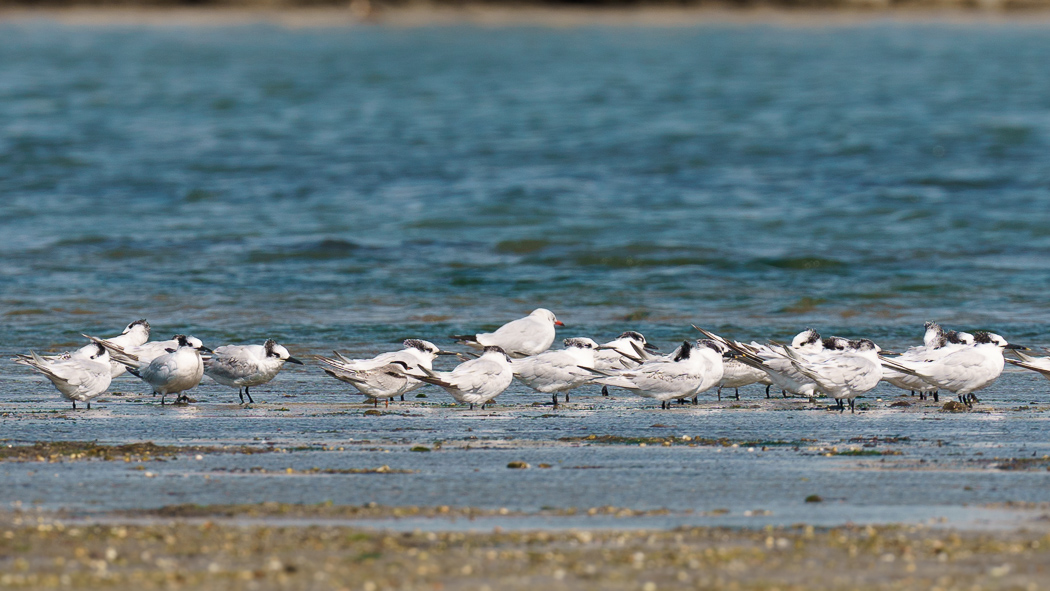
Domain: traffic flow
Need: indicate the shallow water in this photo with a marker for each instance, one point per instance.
(352, 187)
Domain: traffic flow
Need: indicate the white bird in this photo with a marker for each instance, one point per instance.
(964, 371)
(624, 352)
(844, 374)
(737, 374)
(936, 344)
(694, 368)
(142, 352)
(558, 371)
(387, 375)
(526, 336)
(134, 334)
(1037, 364)
(246, 366)
(174, 372)
(776, 362)
(476, 381)
(80, 377)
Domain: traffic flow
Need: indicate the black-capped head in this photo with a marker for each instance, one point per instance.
(806, 337)
(683, 351)
(140, 324)
(580, 343)
(633, 335)
(99, 351)
(495, 349)
(181, 340)
(421, 346)
(837, 343)
(862, 345)
(959, 338)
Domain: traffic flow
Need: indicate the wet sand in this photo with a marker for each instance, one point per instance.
(41, 551)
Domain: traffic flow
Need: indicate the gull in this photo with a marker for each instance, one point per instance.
(624, 352)
(174, 372)
(245, 366)
(558, 371)
(964, 371)
(694, 369)
(78, 377)
(134, 334)
(476, 381)
(844, 374)
(386, 375)
(936, 344)
(526, 336)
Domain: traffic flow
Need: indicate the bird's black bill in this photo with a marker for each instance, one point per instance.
(1019, 347)
(650, 347)
(294, 360)
(205, 349)
(447, 353)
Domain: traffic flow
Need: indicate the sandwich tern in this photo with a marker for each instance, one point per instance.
(387, 375)
(964, 371)
(134, 334)
(552, 372)
(78, 377)
(694, 369)
(246, 366)
(174, 372)
(526, 336)
(623, 352)
(476, 381)
(844, 374)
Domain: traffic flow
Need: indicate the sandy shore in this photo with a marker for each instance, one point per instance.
(356, 14)
(40, 551)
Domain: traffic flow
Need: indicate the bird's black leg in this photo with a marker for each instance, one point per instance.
(375, 402)
(402, 398)
(737, 390)
(240, 392)
(681, 401)
(936, 398)
(471, 407)
(767, 390)
(852, 405)
(605, 390)
(554, 399)
(89, 406)
(483, 406)
(566, 397)
(695, 400)
(74, 405)
(720, 393)
(247, 392)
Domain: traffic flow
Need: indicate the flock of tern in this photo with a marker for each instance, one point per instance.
(810, 366)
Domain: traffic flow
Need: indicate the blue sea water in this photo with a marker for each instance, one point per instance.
(360, 185)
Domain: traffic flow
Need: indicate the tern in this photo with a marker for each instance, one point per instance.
(246, 366)
(624, 352)
(174, 372)
(738, 374)
(526, 336)
(134, 335)
(387, 375)
(476, 381)
(1037, 364)
(694, 369)
(936, 344)
(558, 371)
(776, 362)
(963, 371)
(846, 373)
(78, 377)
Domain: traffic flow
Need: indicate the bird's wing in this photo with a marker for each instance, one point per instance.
(231, 364)
(959, 370)
(524, 334)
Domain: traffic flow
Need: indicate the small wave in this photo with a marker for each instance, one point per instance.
(328, 249)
